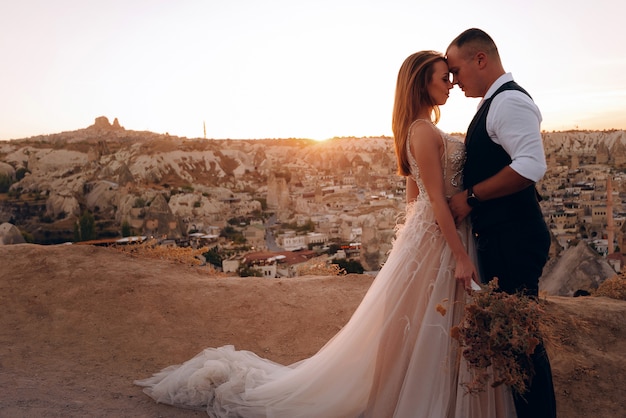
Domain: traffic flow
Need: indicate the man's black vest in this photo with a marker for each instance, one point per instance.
(484, 159)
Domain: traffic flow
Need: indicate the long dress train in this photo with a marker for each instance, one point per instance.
(394, 357)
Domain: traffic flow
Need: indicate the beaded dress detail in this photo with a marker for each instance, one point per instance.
(454, 150)
(394, 357)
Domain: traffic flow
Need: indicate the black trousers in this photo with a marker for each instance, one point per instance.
(516, 253)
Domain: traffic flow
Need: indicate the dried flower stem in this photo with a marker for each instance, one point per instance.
(498, 334)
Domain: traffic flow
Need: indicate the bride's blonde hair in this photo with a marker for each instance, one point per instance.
(411, 97)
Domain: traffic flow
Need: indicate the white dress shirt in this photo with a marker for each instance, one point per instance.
(514, 122)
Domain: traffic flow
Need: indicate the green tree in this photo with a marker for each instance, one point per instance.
(233, 235)
(5, 183)
(126, 229)
(247, 271)
(214, 257)
(28, 237)
(238, 220)
(20, 173)
(308, 226)
(85, 229)
(139, 203)
(350, 266)
(333, 248)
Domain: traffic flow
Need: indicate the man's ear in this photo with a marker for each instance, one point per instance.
(481, 59)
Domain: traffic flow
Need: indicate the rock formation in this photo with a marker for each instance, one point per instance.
(9, 234)
(578, 268)
(7, 170)
(102, 123)
(277, 193)
(160, 221)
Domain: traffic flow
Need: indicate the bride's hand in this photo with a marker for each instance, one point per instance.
(465, 272)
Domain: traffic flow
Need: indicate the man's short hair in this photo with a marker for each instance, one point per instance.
(475, 40)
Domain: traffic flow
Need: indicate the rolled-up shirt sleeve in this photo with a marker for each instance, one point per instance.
(514, 122)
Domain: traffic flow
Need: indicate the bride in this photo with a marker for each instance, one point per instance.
(395, 356)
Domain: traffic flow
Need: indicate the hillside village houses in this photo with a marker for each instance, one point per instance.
(585, 202)
(575, 205)
(344, 192)
(338, 209)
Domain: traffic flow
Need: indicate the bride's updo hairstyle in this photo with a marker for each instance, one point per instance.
(411, 97)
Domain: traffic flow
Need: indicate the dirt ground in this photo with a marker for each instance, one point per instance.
(80, 323)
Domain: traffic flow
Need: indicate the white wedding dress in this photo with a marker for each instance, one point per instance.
(394, 358)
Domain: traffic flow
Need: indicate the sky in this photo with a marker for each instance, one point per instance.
(246, 69)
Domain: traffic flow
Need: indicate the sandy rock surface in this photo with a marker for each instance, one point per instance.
(80, 323)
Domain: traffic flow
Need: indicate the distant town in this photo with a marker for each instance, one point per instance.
(276, 207)
(583, 200)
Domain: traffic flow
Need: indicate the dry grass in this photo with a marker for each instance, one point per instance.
(614, 288)
(319, 268)
(151, 249)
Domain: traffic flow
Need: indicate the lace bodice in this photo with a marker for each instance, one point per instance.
(452, 162)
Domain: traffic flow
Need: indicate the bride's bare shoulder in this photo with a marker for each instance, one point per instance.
(423, 132)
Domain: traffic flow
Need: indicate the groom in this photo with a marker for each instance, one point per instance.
(505, 158)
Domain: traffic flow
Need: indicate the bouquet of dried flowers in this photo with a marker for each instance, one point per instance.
(497, 335)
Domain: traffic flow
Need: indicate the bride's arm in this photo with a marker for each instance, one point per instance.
(427, 148)
(412, 191)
